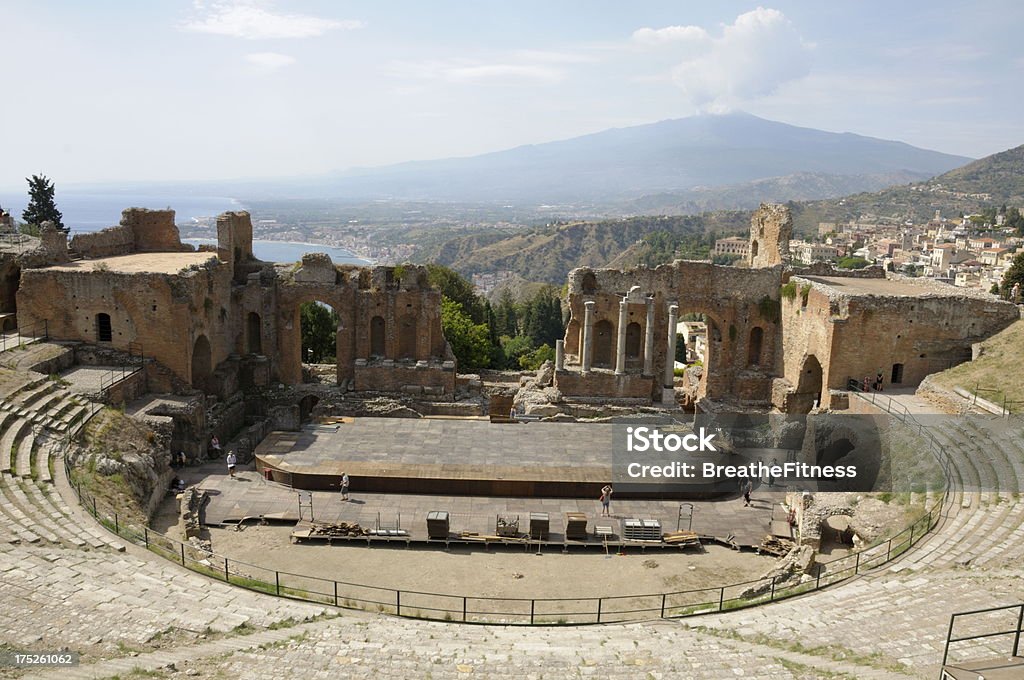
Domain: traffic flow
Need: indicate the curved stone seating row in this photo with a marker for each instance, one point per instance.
(991, 514)
(33, 419)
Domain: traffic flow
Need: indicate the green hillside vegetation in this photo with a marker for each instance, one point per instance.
(547, 254)
(957, 192)
(996, 371)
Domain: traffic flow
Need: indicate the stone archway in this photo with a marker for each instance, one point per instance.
(254, 333)
(754, 345)
(808, 389)
(604, 344)
(202, 363)
(378, 336)
(407, 338)
(634, 341)
(317, 326)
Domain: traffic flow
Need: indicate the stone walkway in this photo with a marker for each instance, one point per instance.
(890, 623)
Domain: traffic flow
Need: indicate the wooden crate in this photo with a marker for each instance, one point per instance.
(438, 524)
(540, 525)
(575, 526)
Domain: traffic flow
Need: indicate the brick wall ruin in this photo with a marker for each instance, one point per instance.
(140, 231)
(771, 227)
(773, 337)
(224, 320)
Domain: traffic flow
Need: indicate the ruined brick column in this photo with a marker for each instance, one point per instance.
(588, 335)
(649, 339)
(559, 355)
(670, 356)
(620, 344)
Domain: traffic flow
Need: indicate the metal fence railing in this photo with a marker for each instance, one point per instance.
(23, 336)
(136, 363)
(499, 610)
(1012, 628)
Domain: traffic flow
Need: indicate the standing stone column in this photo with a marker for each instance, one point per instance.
(559, 355)
(588, 335)
(649, 339)
(670, 356)
(620, 345)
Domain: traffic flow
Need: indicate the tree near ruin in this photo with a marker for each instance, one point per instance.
(41, 206)
(319, 332)
(1014, 274)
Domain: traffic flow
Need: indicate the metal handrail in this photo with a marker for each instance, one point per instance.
(1016, 631)
(716, 597)
(40, 330)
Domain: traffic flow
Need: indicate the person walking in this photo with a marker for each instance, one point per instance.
(606, 500)
(878, 382)
(771, 476)
(344, 486)
(747, 489)
(215, 445)
(231, 463)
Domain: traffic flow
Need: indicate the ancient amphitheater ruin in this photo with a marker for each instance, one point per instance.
(206, 343)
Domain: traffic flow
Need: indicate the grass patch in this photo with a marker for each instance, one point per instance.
(996, 369)
(834, 652)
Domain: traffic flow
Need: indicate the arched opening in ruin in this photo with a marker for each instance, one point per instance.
(808, 391)
(634, 340)
(407, 337)
(754, 346)
(201, 363)
(9, 291)
(318, 324)
(306, 406)
(897, 374)
(104, 329)
(589, 283)
(700, 347)
(753, 249)
(377, 329)
(604, 344)
(254, 334)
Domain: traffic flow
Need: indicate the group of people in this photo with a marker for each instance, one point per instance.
(868, 385)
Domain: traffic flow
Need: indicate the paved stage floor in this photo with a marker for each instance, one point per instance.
(438, 448)
(249, 495)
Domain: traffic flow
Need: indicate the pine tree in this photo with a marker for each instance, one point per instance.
(41, 206)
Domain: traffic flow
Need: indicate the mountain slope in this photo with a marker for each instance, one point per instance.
(985, 183)
(547, 254)
(627, 163)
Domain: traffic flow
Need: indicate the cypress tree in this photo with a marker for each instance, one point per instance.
(41, 206)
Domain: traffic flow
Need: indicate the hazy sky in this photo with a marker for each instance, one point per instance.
(108, 91)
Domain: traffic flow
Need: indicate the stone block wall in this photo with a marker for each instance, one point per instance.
(735, 301)
(140, 231)
(605, 384)
(431, 381)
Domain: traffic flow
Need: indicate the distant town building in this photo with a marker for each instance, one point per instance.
(695, 337)
(732, 245)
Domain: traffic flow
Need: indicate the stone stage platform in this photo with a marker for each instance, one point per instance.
(248, 496)
(447, 456)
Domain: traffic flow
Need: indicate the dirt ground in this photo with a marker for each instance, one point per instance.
(499, 572)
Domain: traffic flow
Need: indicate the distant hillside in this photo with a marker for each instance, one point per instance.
(802, 186)
(700, 153)
(1001, 175)
(548, 254)
(984, 183)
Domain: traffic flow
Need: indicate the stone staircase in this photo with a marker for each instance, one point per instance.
(34, 420)
(889, 623)
(898, 611)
